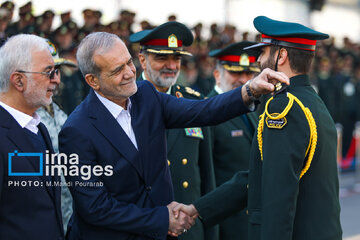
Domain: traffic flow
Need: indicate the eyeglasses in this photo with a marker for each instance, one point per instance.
(50, 74)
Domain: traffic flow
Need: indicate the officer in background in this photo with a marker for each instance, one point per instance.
(231, 140)
(189, 152)
(293, 187)
(53, 117)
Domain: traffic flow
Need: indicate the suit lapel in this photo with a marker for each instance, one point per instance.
(56, 190)
(113, 132)
(19, 138)
(172, 134)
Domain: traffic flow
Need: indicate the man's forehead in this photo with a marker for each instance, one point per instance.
(43, 57)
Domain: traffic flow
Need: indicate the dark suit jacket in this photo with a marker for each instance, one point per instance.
(29, 212)
(280, 205)
(231, 143)
(132, 202)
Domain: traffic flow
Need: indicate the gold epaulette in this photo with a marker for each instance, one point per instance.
(192, 91)
(281, 116)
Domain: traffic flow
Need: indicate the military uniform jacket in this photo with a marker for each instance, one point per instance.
(231, 143)
(280, 205)
(190, 160)
(191, 165)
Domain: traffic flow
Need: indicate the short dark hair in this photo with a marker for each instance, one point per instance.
(300, 60)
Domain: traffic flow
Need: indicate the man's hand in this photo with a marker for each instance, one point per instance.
(264, 83)
(190, 210)
(180, 223)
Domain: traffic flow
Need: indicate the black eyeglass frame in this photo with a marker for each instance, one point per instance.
(50, 74)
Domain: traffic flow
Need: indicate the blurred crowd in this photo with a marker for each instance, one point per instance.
(335, 74)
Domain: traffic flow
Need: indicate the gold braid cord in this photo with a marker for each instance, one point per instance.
(311, 121)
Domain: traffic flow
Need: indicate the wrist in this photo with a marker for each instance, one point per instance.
(251, 92)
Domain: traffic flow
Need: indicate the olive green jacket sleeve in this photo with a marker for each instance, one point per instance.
(224, 201)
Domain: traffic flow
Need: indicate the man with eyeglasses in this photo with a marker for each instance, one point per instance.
(29, 207)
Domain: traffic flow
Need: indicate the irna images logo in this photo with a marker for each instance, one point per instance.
(14, 157)
(55, 164)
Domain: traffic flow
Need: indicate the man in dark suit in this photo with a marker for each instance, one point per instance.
(293, 189)
(29, 207)
(188, 149)
(121, 127)
(231, 140)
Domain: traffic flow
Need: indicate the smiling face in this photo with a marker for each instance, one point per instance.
(117, 74)
(39, 88)
(161, 70)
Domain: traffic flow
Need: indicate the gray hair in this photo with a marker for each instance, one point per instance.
(99, 42)
(16, 54)
(220, 68)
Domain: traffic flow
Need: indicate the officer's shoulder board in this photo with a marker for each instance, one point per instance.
(187, 92)
(278, 121)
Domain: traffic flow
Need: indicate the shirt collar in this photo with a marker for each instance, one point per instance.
(112, 107)
(22, 118)
(218, 89)
(143, 75)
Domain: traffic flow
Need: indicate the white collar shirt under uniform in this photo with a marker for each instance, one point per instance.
(24, 120)
(121, 115)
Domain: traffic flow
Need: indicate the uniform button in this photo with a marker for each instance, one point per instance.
(247, 212)
(168, 162)
(148, 188)
(184, 161)
(185, 184)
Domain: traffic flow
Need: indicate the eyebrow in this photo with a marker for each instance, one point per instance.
(49, 67)
(120, 68)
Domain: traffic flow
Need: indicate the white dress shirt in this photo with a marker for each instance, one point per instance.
(218, 89)
(24, 120)
(121, 115)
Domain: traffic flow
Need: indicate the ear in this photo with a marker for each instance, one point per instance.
(18, 81)
(216, 74)
(142, 60)
(92, 81)
(283, 56)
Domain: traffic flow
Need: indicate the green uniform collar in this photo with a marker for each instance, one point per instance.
(299, 81)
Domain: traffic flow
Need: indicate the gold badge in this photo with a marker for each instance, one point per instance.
(52, 48)
(178, 94)
(172, 41)
(192, 91)
(275, 123)
(278, 86)
(244, 60)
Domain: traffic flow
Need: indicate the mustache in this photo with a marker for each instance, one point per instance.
(168, 71)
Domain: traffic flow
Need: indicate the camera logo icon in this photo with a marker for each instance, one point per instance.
(16, 156)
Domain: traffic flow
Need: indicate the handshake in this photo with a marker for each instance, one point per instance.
(181, 218)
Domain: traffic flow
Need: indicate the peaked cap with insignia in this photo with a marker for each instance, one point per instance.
(57, 60)
(235, 59)
(168, 38)
(286, 34)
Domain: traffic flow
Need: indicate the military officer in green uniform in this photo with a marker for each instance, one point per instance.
(231, 140)
(53, 117)
(292, 183)
(189, 151)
